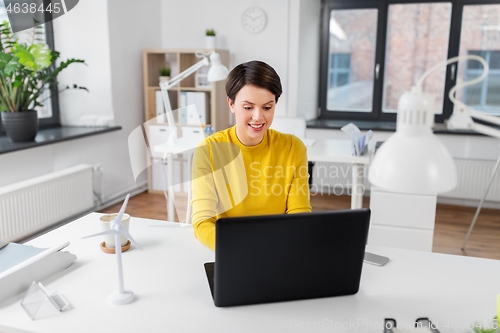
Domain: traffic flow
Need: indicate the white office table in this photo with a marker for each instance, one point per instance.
(340, 151)
(168, 150)
(173, 295)
(337, 151)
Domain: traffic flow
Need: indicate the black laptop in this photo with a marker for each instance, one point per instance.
(272, 258)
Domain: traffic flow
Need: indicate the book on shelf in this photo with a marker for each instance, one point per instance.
(160, 108)
(182, 106)
(196, 116)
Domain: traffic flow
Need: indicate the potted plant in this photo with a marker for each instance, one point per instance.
(210, 39)
(25, 72)
(165, 74)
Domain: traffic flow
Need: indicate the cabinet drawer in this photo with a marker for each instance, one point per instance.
(401, 238)
(402, 210)
(159, 134)
(192, 131)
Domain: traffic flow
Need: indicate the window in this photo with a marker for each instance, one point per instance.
(480, 36)
(417, 39)
(484, 96)
(340, 70)
(48, 114)
(352, 34)
(372, 51)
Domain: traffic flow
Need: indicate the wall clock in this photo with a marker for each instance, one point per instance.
(254, 19)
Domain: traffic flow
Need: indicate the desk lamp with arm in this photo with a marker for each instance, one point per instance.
(413, 160)
(217, 72)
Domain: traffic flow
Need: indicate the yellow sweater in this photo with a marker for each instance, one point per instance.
(230, 179)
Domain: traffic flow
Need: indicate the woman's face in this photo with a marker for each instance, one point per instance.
(253, 108)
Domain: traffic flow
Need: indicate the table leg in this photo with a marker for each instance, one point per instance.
(170, 180)
(357, 186)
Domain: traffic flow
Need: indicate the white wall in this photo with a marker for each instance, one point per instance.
(184, 24)
(293, 58)
(78, 36)
(289, 42)
(303, 69)
(110, 35)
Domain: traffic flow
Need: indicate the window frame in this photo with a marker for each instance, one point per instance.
(55, 120)
(475, 72)
(327, 7)
(380, 47)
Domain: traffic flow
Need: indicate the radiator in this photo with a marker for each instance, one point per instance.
(34, 204)
(473, 177)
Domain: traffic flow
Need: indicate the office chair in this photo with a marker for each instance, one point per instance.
(297, 127)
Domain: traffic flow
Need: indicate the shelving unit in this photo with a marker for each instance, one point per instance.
(217, 113)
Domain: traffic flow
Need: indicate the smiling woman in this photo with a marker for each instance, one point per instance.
(235, 170)
(253, 89)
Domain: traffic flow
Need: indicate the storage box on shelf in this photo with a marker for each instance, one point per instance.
(212, 105)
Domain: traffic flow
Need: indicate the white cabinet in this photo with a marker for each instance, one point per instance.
(159, 133)
(400, 220)
(195, 131)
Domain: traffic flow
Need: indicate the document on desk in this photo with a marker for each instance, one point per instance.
(359, 141)
(20, 265)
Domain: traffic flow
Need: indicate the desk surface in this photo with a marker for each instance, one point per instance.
(178, 146)
(173, 294)
(336, 151)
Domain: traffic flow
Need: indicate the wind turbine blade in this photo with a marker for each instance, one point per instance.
(127, 234)
(118, 218)
(107, 232)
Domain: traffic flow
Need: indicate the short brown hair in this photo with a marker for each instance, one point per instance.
(256, 73)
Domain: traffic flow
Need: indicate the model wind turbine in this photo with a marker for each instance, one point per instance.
(121, 296)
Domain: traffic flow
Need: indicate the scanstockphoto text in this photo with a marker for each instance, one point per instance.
(363, 324)
(342, 173)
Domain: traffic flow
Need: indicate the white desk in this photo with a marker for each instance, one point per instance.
(337, 151)
(168, 150)
(169, 280)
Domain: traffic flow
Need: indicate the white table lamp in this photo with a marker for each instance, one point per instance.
(413, 161)
(217, 72)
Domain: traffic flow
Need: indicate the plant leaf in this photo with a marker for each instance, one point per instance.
(12, 67)
(4, 59)
(42, 55)
(26, 58)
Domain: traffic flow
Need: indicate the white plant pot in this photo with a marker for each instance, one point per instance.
(210, 42)
(164, 78)
(110, 239)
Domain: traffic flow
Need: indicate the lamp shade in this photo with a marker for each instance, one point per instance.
(217, 71)
(413, 160)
